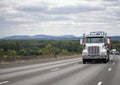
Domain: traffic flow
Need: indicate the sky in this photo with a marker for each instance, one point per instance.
(59, 17)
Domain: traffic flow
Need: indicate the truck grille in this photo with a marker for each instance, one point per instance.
(93, 50)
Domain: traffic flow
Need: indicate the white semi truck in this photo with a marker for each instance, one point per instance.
(95, 47)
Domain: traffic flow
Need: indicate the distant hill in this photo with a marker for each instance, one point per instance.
(42, 37)
(48, 37)
(115, 38)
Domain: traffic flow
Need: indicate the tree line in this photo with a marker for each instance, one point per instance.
(28, 49)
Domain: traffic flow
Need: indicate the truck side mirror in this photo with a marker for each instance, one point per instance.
(108, 41)
(81, 41)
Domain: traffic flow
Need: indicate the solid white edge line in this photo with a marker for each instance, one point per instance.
(55, 69)
(109, 69)
(99, 83)
(4, 82)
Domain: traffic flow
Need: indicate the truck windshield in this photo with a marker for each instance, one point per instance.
(94, 40)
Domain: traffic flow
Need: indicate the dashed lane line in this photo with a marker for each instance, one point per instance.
(109, 69)
(113, 63)
(4, 82)
(55, 69)
(99, 83)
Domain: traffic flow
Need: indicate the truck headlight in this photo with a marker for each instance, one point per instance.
(84, 53)
(103, 53)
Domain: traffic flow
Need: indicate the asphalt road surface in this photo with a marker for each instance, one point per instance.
(63, 72)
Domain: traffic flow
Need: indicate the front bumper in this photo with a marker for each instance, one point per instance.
(94, 57)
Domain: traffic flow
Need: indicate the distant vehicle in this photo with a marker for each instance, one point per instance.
(95, 47)
(117, 53)
(114, 52)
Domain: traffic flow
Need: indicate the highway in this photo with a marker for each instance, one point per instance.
(63, 72)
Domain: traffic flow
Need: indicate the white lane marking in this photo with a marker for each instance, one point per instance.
(55, 69)
(109, 69)
(99, 83)
(113, 63)
(4, 82)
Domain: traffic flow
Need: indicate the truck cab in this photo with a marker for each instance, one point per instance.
(95, 47)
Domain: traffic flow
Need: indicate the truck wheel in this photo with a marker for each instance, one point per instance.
(108, 59)
(105, 61)
(84, 61)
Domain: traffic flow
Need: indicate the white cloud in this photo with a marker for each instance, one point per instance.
(53, 17)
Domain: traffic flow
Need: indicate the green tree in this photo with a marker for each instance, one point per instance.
(23, 52)
(64, 52)
(11, 53)
(48, 50)
(57, 51)
(79, 50)
(1, 52)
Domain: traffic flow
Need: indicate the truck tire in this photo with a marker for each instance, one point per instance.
(108, 59)
(105, 61)
(84, 61)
